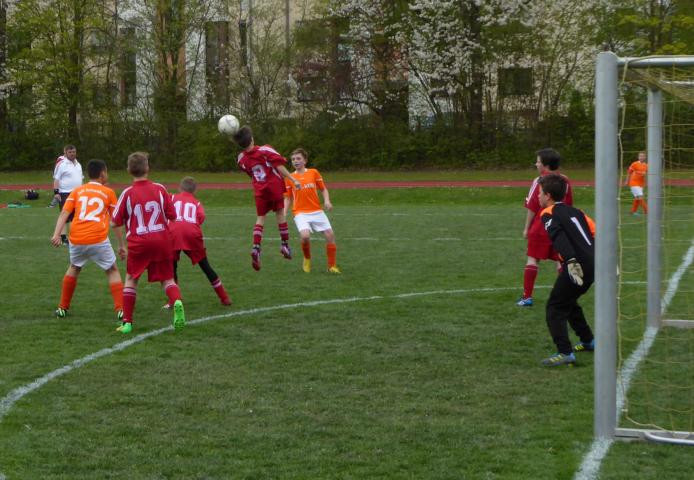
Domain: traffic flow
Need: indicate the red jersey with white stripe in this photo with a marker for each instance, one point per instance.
(260, 164)
(190, 215)
(532, 203)
(144, 209)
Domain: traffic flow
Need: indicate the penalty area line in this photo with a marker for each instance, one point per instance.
(7, 402)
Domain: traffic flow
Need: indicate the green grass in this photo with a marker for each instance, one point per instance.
(445, 385)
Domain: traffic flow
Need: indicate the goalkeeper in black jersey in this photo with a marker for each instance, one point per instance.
(571, 232)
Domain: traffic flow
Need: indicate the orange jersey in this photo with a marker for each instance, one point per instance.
(93, 204)
(306, 199)
(637, 174)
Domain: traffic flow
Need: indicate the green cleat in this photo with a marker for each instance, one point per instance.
(179, 320)
(61, 312)
(126, 327)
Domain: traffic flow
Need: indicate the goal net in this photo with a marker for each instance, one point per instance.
(652, 248)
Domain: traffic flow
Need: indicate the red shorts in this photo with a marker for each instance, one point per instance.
(264, 204)
(194, 255)
(540, 249)
(157, 271)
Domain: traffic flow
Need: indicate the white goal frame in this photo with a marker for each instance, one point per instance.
(608, 68)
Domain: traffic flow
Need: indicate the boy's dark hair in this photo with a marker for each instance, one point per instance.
(553, 185)
(549, 158)
(138, 163)
(300, 151)
(244, 136)
(188, 184)
(95, 167)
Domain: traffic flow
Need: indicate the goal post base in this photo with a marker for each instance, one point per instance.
(656, 436)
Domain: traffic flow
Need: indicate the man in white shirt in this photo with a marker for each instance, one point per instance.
(66, 176)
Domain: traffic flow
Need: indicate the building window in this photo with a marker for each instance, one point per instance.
(128, 68)
(515, 81)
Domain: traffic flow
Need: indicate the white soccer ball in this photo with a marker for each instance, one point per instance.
(228, 125)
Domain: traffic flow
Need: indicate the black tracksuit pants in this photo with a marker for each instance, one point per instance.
(562, 309)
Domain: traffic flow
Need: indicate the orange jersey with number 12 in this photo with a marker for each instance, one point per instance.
(93, 204)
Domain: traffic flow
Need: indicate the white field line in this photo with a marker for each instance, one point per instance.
(7, 402)
(590, 467)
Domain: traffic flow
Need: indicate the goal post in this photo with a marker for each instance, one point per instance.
(610, 391)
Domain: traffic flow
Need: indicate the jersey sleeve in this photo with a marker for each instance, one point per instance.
(58, 171)
(112, 201)
(319, 180)
(168, 206)
(70, 202)
(272, 156)
(557, 234)
(532, 201)
(119, 215)
(200, 214)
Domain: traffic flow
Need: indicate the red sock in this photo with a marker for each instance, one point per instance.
(117, 294)
(306, 248)
(331, 250)
(173, 293)
(529, 276)
(257, 234)
(221, 293)
(69, 284)
(644, 205)
(284, 231)
(635, 205)
(129, 297)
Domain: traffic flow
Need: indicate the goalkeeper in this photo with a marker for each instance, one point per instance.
(572, 234)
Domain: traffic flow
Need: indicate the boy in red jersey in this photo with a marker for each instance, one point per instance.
(539, 244)
(636, 180)
(92, 205)
(266, 168)
(308, 214)
(144, 208)
(187, 235)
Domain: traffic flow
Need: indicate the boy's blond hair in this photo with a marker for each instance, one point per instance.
(138, 164)
(188, 184)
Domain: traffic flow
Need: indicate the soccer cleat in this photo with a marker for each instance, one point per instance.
(179, 320)
(61, 312)
(119, 315)
(525, 302)
(166, 306)
(306, 267)
(126, 327)
(334, 269)
(286, 251)
(585, 346)
(559, 359)
(255, 258)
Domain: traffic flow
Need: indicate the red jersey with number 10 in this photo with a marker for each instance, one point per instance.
(190, 215)
(144, 209)
(260, 164)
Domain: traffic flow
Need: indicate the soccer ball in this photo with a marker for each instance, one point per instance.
(228, 125)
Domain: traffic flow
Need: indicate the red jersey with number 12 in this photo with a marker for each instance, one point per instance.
(190, 215)
(144, 209)
(260, 164)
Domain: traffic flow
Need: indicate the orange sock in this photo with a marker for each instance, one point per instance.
(117, 294)
(331, 250)
(69, 284)
(635, 205)
(306, 248)
(644, 205)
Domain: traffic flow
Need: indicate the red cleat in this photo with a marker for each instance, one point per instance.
(255, 259)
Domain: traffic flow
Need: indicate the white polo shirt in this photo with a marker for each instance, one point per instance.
(68, 174)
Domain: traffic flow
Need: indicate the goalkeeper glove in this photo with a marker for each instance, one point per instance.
(575, 271)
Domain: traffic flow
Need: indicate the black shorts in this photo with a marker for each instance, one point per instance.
(63, 197)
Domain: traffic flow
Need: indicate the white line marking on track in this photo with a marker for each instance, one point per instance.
(590, 467)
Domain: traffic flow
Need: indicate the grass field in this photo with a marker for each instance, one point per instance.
(414, 363)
